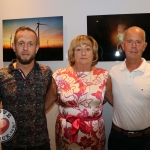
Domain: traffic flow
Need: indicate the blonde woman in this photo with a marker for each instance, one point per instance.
(81, 89)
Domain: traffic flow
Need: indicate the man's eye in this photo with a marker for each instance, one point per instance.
(20, 44)
(138, 42)
(129, 42)
(30, 44)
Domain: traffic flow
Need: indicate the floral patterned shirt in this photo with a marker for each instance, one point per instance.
(24, 98)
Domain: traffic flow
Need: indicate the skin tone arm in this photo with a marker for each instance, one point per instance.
(51, 95)
(108, 94)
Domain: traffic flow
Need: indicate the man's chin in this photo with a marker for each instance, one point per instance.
(25, 61)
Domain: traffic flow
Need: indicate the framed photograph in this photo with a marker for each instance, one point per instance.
(50, 37)
(108, 31)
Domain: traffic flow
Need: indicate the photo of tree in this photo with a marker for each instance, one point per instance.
(50, 37)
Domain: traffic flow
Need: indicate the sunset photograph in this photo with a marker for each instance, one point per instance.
(49, 31)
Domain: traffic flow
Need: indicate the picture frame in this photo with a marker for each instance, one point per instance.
(107, 30)
(50, 37)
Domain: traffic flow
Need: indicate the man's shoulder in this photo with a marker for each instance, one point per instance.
(4, 70)
(117, 66)
(148, 63)
(4, 73)
(42, 67)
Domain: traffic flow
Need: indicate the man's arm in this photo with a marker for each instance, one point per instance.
(108, 93)
(51, 95)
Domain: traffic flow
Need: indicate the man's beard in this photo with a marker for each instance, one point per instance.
(25, 61)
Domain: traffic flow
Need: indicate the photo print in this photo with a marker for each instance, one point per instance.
(108, 31)
(50, 37)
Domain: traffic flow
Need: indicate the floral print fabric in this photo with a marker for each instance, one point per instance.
(79, 124)
(24, 98)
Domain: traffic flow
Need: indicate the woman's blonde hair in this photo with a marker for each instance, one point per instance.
(83, 39)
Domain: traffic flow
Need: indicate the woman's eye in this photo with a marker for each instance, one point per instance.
(78, 49)
(88, 48)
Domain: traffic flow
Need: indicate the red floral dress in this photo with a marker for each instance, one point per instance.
(79, 124)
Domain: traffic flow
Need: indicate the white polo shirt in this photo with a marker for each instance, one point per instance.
(131, 96)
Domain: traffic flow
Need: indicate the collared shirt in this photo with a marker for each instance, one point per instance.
(131, 96)
(24, 98)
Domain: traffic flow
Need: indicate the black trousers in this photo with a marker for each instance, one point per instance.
(46, 146)
(119, 141)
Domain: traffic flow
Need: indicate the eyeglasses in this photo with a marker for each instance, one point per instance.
(137, 42)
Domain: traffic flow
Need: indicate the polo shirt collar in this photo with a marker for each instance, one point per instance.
(11, 67)
(140, 68)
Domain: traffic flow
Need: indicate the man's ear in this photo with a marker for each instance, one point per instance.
(13, 46)
(122, 45)
(37, 48)
(145, 44)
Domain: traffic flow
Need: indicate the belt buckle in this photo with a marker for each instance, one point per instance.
(131, 133)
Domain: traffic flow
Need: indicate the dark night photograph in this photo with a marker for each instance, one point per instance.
(108, 31)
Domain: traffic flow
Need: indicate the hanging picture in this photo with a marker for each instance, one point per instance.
(50, 37)
(108, 31)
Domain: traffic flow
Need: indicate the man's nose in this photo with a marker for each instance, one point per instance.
(25, 47)
(133, 43)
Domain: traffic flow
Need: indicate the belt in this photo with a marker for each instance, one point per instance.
(132, 133)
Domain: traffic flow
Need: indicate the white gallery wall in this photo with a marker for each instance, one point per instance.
(74, 14)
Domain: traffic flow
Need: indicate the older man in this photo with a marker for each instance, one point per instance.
(131, 96)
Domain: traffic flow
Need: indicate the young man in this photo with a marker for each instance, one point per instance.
(131, 96)
(23, 88)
